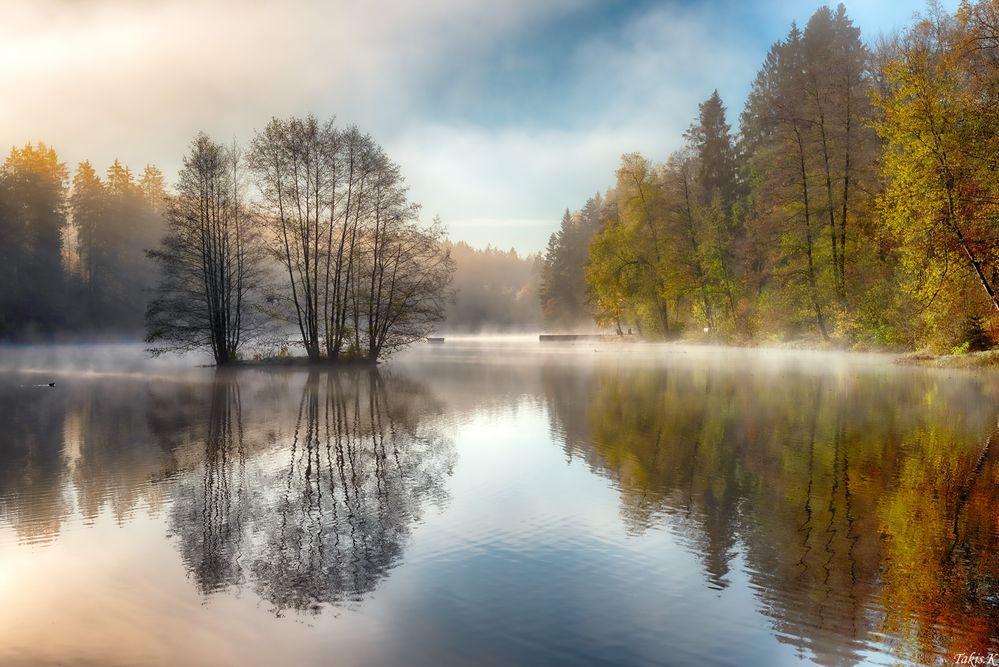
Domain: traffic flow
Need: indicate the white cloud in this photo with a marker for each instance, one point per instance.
(131, 79)
(642, 86)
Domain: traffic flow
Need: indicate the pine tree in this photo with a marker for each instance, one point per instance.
(563, 288)
(709, 202)
(88, 205)
(34, 187)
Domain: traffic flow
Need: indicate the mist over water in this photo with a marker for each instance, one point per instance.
(497, 500)
(125, 357)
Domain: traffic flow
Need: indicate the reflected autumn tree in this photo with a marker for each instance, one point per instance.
(860, 506)
(662, 440)
(941, 528)
(317, 508)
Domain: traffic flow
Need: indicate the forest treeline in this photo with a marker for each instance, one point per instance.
(858, 202)
(73, 259)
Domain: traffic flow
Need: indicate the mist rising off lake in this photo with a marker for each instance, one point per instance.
(497, 502)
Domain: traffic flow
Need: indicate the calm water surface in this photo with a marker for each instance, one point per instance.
(498, 502)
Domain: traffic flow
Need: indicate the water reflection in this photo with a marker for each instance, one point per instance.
(866, 508)
(209, 517)
(851, 512)
(31, 456)
(97, 437)
(326, 514)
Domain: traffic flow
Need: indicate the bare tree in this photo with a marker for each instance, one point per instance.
(360, 271)
(409, 270)
(294, 162)
(411, 277)
(210, 259)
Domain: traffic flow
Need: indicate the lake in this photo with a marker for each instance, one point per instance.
(497, 502)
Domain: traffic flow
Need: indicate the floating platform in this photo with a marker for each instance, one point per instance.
(436, 340)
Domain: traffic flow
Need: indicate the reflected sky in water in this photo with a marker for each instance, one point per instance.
(498, 502)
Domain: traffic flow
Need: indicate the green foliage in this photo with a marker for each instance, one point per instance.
(613, 276)
(766, 235)
(940, 203)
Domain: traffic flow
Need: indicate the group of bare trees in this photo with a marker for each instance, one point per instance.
(351, 269)
(359, 465)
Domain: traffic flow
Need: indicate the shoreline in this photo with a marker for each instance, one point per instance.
(298, 362)
(971, 360)
(980, 360)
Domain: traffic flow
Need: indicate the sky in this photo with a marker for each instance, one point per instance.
(502, 113)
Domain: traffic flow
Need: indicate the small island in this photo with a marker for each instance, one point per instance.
(335, 254)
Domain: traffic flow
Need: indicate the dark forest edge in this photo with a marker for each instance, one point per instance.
(856, 206)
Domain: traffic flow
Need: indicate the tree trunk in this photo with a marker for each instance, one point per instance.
(812, 280)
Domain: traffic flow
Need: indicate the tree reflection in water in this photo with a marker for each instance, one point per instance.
(209, 519)
(863, 508)
(324, 513)
(859, 507)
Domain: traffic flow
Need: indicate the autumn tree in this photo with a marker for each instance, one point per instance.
(665, 255)
(613, 276)
(772, 232)
(705, 190)
(941, 199)
(780, 137)
(809, 160)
